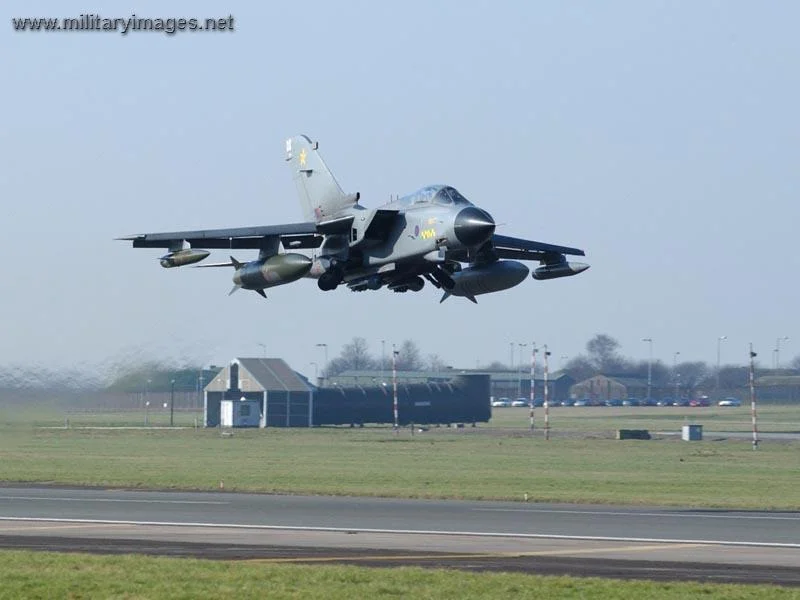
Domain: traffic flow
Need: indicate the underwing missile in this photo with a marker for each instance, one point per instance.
(564, 269)
(183, 257)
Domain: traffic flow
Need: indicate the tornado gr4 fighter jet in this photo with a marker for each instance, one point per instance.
(434, 235)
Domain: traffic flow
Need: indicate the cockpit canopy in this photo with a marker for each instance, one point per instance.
(443, 195)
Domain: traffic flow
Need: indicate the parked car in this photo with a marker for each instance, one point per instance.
(700, 402)
(613, 402)
(520, 402)
(501, 403)
(649, 402)
(584, 402)
(566, 403)
(665, 401)
(681, 402)
(630, 402)
(729, 402)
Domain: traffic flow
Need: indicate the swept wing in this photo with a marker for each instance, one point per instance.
(292, 235)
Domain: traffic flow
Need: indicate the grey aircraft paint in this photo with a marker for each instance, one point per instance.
(425, 236)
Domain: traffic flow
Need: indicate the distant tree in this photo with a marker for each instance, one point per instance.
(660, 373)
(354, 356)
(732, 377)
(795, 363)
(435, 363)
(158, 377)
(603, 353)
(409, 357)
(690, 374)
(496, 366)
(580, 368)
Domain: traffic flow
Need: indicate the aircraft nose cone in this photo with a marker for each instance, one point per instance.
(473, 226)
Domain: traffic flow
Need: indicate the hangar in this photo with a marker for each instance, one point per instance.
(281, 397)
(610, 387)
(503, 383)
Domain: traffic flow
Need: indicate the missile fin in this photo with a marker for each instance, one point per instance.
(260, 292)
(235, 288)
(445, 296)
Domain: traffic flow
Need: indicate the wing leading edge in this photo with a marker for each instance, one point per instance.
(511, 247)
(294, 235)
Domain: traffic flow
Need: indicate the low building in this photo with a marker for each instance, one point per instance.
(601, 388)
(284, 397)
(503, 384)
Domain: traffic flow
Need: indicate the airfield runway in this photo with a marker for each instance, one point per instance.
(631, 542)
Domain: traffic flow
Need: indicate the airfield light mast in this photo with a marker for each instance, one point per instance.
(383, 361)
(753, 415)
(394, 388)
(172, 403)
(546, 397)
(533, 380)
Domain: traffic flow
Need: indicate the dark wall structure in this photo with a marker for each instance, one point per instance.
(463, 399)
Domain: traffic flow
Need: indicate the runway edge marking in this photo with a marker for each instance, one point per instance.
(541, 536)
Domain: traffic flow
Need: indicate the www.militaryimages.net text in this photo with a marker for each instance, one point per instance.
(124, 25)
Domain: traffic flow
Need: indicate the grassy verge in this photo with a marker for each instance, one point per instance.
(469, 464)
(779, 418)
(52, 575)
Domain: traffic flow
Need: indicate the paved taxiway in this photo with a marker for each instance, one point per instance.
(620, 541)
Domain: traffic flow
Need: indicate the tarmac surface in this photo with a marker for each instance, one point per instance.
(609, 541)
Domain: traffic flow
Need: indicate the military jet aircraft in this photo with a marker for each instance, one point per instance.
(434, 235)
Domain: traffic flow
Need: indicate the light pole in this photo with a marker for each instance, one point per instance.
(316, 371)
(720, 339)
(511, 354)
(383, 360)
(519, 369)
(533, 382)
(394, 389)
(146, 399)
(325, 366)
(263, 349)
(546, 396)
(753, 416)
(171, 403)
(649, 369)
(676, 375)
(785, 338)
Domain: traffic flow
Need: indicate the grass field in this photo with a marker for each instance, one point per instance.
(489, 462)
(51, 575)
(776, 418)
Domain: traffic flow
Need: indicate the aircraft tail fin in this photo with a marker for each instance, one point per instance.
(320, 195)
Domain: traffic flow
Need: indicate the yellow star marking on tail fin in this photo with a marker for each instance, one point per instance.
(303, 157)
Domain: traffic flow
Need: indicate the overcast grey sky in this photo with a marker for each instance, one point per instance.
(661, 137)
